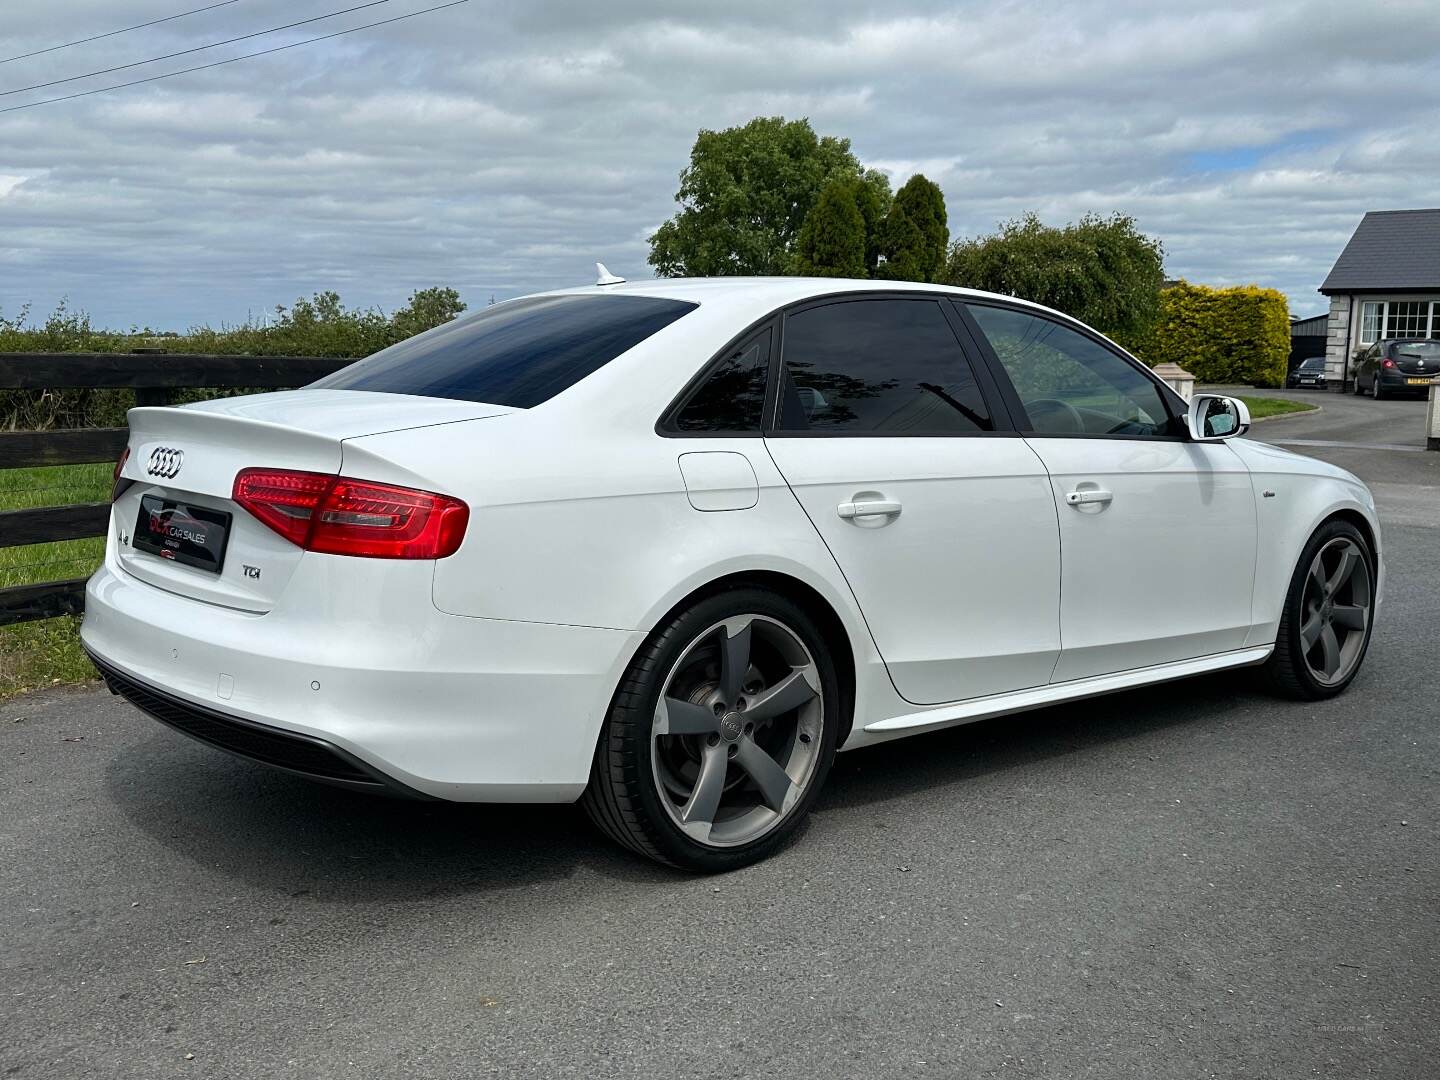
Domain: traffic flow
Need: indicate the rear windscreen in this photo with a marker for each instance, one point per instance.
(1423, 349)
(517, 354)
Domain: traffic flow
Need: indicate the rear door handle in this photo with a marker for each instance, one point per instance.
(1088, 495)
(868, 508)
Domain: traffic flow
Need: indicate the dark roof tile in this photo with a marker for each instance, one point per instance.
(1391, 249)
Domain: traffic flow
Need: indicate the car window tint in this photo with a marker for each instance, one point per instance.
(732, 397)
(1069, 383)
(519, 353)
(878, 365)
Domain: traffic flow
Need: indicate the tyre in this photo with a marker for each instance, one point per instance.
(720, 735)
(1329, 611)
(1375, 391)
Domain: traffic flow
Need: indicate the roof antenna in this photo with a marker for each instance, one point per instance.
(606, 277)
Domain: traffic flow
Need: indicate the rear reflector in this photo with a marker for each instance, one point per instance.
(340, 516)
(118, 484)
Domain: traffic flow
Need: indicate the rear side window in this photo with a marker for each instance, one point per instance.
(732, 397)
(878, 365)
(518, 354)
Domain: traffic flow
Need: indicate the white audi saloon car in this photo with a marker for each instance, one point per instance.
(665, 548)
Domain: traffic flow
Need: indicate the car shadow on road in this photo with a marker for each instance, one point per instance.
(283, 833)
(957, 755)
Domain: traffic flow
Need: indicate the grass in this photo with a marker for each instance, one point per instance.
(46, 652)
(1261, 407)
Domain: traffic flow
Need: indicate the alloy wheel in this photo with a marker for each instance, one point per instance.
(736, 737)
(1335, 611)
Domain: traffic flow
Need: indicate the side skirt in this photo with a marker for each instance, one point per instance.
(1038, 697)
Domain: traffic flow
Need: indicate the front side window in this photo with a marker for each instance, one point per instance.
(1069, 383)
(884, 366)
(1372, 312)
(732, 397)
(518, 354)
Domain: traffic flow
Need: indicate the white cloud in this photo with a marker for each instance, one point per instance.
(505, 148)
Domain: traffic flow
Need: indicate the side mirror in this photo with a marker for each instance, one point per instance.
(1213, 418)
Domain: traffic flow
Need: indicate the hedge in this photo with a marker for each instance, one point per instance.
(1237, 335)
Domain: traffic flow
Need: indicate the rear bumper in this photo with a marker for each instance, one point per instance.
(372, 688)
(1400, 384)
(302, 755)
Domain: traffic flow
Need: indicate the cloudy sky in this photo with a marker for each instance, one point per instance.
(504, 147)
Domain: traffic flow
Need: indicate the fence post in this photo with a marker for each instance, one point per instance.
(1432, 416)
(152, 395)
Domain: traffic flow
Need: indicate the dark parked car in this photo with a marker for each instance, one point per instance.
(1397, 367)
(1310, 372)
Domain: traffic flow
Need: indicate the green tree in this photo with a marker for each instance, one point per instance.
(1101, 270)
(428, 308)
(745, 195)
(872, 196)
(915, 233)
(831, 242)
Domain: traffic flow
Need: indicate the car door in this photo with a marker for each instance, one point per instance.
(938, 514)
(1361, 369)
(1157, 533)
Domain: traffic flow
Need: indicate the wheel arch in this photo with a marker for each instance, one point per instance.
(1360, 521)
(838, 638)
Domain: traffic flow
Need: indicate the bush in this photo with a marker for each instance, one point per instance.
(1237, 335)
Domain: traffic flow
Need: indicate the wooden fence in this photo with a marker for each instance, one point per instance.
(154, 376)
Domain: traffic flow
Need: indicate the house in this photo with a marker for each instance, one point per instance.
(1385, 284)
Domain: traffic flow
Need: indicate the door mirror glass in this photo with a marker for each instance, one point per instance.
(1213, 418)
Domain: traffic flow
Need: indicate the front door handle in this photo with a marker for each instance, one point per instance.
(868, 508)
(1088, 495)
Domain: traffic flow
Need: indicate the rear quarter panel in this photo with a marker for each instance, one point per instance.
(599, 530)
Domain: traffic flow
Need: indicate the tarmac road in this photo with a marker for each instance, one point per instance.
(1189, 881)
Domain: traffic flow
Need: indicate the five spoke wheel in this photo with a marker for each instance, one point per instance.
(736, 733)
(1335, 611)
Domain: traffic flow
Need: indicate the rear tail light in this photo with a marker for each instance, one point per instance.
(340, 516)
(118, 483)
(1387, 362)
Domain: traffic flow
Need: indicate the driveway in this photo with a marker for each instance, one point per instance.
(1190, 881)
(1383, 442)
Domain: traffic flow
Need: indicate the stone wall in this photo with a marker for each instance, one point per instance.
(1337, 342)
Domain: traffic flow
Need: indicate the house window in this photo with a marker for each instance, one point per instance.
(1398, 319)
(1405, 318)
(1372, 313)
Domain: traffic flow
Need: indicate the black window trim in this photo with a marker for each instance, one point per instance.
(665, 426)
(1173, 403)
